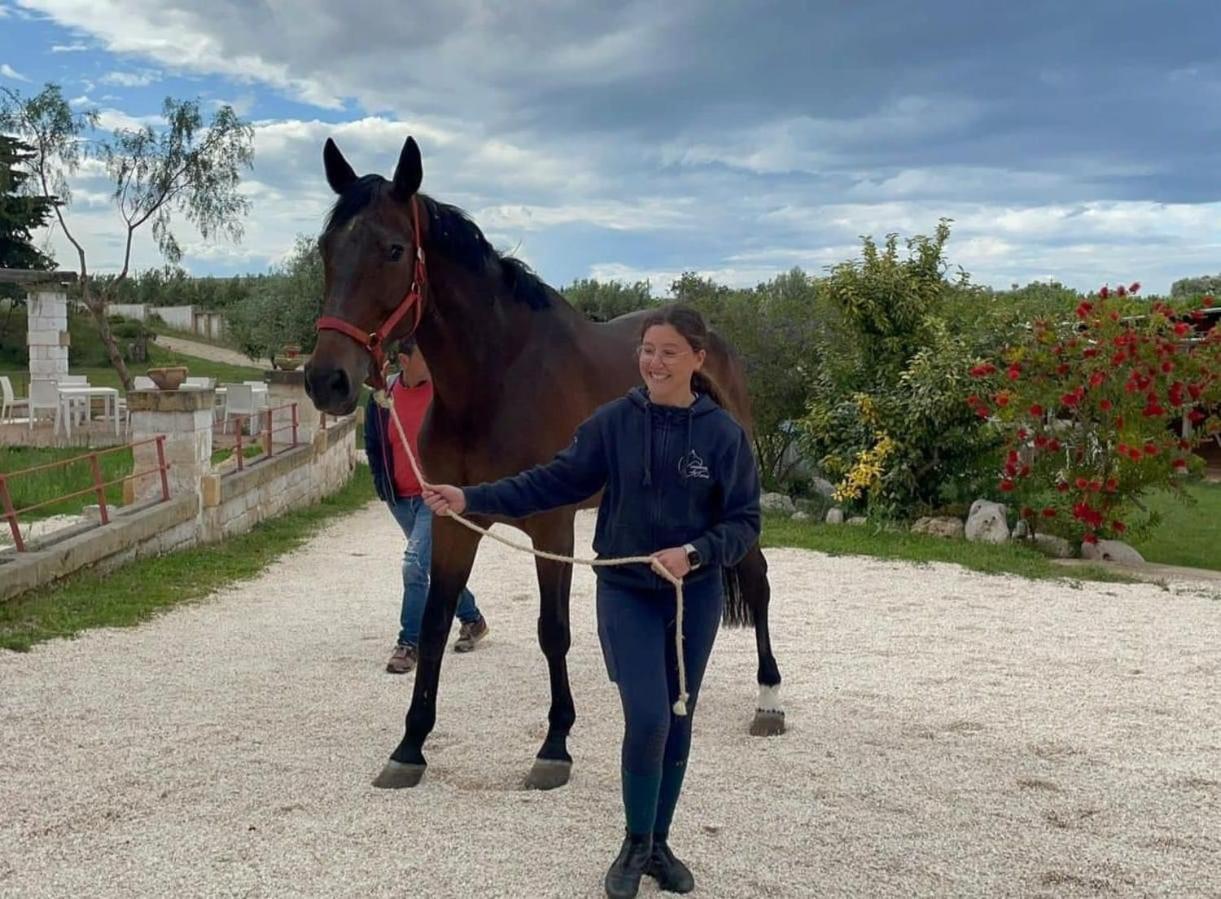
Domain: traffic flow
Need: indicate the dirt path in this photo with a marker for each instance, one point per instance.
(950, 734)
(207, 351)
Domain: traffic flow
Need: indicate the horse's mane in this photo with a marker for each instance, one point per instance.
(455, 234)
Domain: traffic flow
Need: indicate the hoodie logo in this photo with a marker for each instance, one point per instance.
(692, 466)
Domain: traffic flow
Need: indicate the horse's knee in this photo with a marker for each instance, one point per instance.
(554, 635)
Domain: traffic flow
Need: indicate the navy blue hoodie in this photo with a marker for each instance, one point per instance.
(671, 476)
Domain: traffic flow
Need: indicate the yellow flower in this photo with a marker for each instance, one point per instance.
(867, 471)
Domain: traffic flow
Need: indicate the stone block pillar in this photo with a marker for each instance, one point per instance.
(185, 418)
(47, 337)
(284, 387)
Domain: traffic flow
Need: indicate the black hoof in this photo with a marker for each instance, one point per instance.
(547, 774)
(767, 724)
(399, 776)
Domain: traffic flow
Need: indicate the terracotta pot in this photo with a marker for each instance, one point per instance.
(168, 378)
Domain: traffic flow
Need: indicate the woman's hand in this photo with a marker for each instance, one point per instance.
(673, 560)
(444, 498)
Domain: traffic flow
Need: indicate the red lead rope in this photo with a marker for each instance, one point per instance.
(373, 341)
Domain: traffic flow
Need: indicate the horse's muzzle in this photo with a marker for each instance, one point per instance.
(331, 389)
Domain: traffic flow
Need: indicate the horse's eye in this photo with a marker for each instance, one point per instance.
(396, 252)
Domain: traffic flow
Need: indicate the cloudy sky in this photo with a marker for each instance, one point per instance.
(1076, 141)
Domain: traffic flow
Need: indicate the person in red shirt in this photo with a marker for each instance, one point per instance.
(396, 484)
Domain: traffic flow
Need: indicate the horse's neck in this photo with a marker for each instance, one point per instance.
(471, 333)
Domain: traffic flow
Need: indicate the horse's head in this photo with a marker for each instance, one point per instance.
(369, 265)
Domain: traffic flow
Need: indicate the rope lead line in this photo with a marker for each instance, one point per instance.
(680, 705)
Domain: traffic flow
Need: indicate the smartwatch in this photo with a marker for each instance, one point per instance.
(693, 556)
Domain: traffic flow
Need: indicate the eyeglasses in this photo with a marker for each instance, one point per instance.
(667, 356)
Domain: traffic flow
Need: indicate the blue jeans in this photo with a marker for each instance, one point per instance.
(415, 519)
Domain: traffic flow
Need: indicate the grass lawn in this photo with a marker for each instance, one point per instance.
(1190, 533)
(868, 540)
(28, 490)
(142, 589)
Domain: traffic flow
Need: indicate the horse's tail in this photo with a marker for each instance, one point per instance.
(737, 611)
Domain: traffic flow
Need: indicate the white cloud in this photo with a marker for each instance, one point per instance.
(9, 72)
(76, 47)
(142, 78)
(115, 120)
(814, 144)
(642, 216)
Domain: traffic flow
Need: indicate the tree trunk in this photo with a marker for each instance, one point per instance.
(97, 307)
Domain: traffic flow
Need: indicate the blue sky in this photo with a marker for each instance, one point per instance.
(638, 140)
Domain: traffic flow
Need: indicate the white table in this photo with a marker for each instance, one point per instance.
(70, 393)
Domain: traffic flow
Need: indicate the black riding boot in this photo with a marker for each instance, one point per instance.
(623, 878)
(672, 876)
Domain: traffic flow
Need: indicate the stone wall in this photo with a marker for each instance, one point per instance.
(205, 506)
(236, 502)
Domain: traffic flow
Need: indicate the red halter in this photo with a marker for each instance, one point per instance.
(372, 341)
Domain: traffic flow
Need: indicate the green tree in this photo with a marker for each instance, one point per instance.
(22, 211)
(888, 415)
(1194, 287)
(604, 300)
(181, 169)
(774, 328)
(282, 307)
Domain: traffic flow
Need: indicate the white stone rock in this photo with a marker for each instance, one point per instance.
(987, 522)
(1111, 551)
(1051, 545)
(777, 502)
(835, 516)
(800, 516)
(823, 486)
(939, 526)
(858, 520)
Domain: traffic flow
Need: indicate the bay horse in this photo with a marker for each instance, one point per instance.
(515, 370)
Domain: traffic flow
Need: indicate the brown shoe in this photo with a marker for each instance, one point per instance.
(470, 634)
(403, 659)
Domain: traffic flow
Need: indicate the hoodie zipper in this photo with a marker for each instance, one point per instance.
(659, 484)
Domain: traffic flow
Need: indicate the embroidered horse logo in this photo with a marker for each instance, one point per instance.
(692, 466)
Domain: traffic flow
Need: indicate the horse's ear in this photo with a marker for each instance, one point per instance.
(409, 173)
(338, 173)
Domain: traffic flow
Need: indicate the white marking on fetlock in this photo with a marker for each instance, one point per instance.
(769, 699)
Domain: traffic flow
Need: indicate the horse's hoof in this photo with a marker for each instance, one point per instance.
(398, 776)
(767, 724)
(547, 774)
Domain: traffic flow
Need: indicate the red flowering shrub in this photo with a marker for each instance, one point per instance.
(1091, 409)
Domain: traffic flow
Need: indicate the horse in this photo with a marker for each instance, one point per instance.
(515, 370)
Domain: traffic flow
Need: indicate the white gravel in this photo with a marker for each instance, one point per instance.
(950, 733)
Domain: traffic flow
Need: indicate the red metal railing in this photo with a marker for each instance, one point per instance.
(98, 487)
(266, 432)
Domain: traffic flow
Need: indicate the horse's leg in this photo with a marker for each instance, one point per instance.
(453, 554)
(756, 592)
(553, 765)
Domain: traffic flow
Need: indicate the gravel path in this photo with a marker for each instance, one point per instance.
(950, 733)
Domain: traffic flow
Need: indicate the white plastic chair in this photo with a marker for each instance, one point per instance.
(9, 400)
(80, 404)
(44, 397)
(240, 400)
